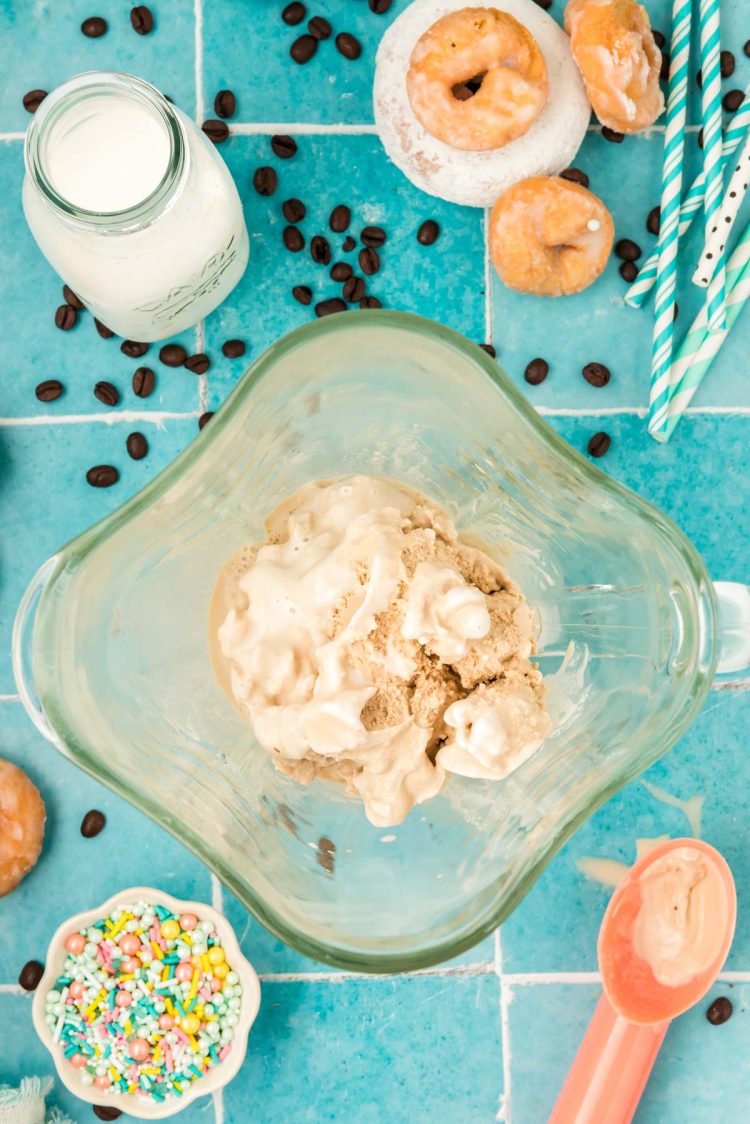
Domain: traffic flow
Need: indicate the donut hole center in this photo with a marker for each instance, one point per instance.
(463, 91)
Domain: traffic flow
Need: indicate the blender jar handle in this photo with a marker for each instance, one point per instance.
(733, 627)
(23, 630)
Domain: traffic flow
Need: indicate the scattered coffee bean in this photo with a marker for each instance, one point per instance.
(173, 354)
(107, 394)
(596, 374)
(49, 390)
(545, 4)
(664, 67)
(348, 244)
(137, 446)
(102, 476)
(303, 294)
(92, 823)
(653, 222)
(629, 271)
(65, 318)
(536, 371)
(575, 175)
(326, 853)
(327, 308)
(233, 349)
(33, 100)
(369, 261)
(141, 20)
(319, 28)
(294, 14)
(204, 419)
(719, 1012)
(107, 1112)
(354, 290)
(379, 7)
(70, 298)
(627, 249)
(198, 364)
(31, 974)
(284, 147)
(133, 349)
(340, 218)
(612, 135)
(733, 100)
(303, 49)
(746, 48)
(727, 64)
(341, 271)
(265, 180)
(105, 332)
(373, 236)
(216, 131)
(599, 444)
(489, 349)
(370, 302)
(428, 233)
(225, 104)
(659, 39)
(320, 250)
(294, 239)
(348, 46)
(94, 27)
(144, 382)
(294, 210)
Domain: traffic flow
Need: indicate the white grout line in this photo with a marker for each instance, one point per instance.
(10, 698)
(219, 1106)
(262, 128)
(157, 417)
(12, 989)
(506, 998)
(480, 968)
(12, 137)
(636, 411)
(200, 347)
(533, 979)
(199, 104)
(487, 278)
(217, 895)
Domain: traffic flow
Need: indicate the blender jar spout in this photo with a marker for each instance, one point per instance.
(733, 628)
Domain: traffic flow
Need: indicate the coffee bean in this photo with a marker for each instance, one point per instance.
(49, 390)
(627, 249)
(719, 1012)
(659, 39)
(173, 354)
(354, 290)
(141, 19)
(198, 363)
(265, 180)
(325, 854)
(489, 349)
(144, 381)
(369, 261)
(137, 446)
(204, 419)
(92, 823)
(65, 318)
(319, 28)
(373, 236)
(133, 348)
(727, 64)
(653, 222)
(370, 302)
(105, 332)
(94, 27)
(233, 349)
(746, 48)
(107, 394)
(107, 1112)
(612, 136)
(216, 131)
(379, 7)
(545, 4)
(320, 249)
(340, 218)
(596, 374)
(294, 14)
(327, 308)
(284, 147)
(303, 294)
(303, 49)
(348, 46)
(629, 271)
(575, 175)
(664, 66)
(294, 239)
(102, 476)
(536, 371)
(30, 975)
(599, 444)
(33, 100)
(348, 244)
(428, 233)
(341, 271)
(294, 210)
(733, 100)
(70, 298)
(225, 104)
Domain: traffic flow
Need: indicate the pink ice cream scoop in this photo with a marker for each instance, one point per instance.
(664, 938)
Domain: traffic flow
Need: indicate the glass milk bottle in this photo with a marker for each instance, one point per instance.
(132, 205)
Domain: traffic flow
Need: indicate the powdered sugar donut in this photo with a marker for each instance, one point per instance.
(476, 178)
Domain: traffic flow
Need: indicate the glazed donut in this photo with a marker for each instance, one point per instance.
(550, 237)
(475, 178)
(21, 825)
(476, 43)
(619, 60)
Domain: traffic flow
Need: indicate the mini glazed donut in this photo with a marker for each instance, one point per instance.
(459, 48)
(619, 60)
(21, 825)
(550, 237)
(476, 178)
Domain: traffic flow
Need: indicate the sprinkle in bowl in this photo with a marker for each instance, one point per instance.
(146, 1003)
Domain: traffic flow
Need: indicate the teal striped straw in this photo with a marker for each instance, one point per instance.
(712, 163)
(692, 203)
(671, 190)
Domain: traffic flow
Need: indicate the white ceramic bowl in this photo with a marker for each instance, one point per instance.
(216, 1077)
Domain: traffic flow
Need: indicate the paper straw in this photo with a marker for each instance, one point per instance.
(674, 151)
(725, 217)
(692, 203)
(712, 163)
